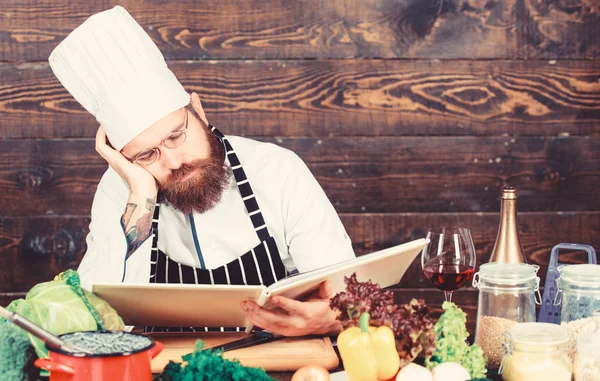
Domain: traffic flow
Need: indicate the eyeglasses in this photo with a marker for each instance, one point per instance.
(174, 140)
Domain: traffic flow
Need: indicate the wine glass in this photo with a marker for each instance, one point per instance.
(448, 260)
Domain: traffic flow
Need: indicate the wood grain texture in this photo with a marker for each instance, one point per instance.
(341, 98)
(538, 232)
(48, 177)
(7, 297)
(278, 29)
(458, 174)
(34, 250)
(287, 354)
(362, 174)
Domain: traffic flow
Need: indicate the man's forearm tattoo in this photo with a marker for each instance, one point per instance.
(140, 230)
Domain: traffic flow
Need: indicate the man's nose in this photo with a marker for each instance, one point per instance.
(170, 159)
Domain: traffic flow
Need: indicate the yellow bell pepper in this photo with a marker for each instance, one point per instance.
(368, 353)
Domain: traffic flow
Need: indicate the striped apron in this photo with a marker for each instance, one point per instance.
(260, 266)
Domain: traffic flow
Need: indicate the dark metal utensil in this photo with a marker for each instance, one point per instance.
(256, 338)
(51, 340)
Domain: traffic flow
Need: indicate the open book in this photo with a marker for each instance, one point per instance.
(188, 305)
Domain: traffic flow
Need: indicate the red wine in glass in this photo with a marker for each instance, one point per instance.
(448, 260)
(449, 277)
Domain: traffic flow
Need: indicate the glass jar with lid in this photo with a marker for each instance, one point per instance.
(578, 292)
(508, 293)
(536, 351)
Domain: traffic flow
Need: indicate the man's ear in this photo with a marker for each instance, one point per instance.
(197, 106)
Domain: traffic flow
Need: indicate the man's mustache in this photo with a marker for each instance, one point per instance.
(186, 168)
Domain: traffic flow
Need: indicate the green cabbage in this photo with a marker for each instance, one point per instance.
(62, 306)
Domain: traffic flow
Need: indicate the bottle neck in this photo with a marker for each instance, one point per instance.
(508, 247)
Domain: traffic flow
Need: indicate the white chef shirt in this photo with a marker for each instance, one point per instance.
(304, 224)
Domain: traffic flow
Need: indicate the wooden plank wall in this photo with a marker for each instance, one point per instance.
(411, 113)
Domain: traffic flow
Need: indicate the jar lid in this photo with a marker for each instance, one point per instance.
(507, 273)
(586, 275)
(538, 334)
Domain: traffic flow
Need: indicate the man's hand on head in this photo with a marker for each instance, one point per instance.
(296, 318)
(137, 217)
(139, 180)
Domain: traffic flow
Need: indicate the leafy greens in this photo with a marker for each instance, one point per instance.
(410, 322)
(451, 344)
(208, 365)
(16, 354)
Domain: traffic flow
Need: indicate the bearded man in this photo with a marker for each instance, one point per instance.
(180, 201)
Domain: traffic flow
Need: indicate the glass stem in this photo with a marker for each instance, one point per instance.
(448, 296)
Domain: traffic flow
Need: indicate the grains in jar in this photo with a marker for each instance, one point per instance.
(577, 327)
(587, 359)
(490, 335)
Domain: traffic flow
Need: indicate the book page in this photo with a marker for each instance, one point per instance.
(372, 265)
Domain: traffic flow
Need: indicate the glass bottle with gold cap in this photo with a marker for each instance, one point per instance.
(507, 248)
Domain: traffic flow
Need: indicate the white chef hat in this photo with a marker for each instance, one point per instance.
(112, 67)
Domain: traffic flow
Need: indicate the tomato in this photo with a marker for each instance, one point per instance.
(311, 373)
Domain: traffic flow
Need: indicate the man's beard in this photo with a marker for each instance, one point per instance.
(204, 189)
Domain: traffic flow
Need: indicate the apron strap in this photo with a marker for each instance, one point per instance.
(154, 249)
(252, 208)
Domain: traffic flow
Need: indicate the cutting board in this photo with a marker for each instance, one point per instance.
(287, 354)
